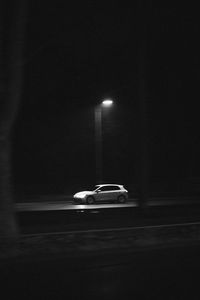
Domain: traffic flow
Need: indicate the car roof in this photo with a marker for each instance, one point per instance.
(108, 184)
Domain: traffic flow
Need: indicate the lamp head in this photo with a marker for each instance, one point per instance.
(107, 102)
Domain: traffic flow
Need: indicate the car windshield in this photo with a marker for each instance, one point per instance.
(96, 188)
(90, 188)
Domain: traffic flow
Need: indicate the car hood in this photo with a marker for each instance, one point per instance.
(84, 193)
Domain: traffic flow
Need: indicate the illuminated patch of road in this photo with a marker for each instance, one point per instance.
(47, 206)
(36, 206)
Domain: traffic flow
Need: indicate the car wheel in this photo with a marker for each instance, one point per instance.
(121, 199)
(90, 200)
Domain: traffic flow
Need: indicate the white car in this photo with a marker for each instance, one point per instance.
(101, 193)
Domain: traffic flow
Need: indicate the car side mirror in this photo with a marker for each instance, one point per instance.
(98, 191)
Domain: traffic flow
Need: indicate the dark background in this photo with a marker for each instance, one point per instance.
(75, 56)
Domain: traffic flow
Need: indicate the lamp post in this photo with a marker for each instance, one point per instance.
(144, 9)
(98, 138)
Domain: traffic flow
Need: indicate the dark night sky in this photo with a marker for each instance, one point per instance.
(77, 55)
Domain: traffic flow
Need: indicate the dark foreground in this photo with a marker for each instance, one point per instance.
(163, 273)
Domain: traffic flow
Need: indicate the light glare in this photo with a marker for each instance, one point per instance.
(107, 102)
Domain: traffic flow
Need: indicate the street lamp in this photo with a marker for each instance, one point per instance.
(98, 137)
(107, 102)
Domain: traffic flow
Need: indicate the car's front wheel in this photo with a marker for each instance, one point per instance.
(90, 200)
(121, 199)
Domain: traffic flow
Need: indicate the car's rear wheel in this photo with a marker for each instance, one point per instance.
(121, 199)
(90, 200)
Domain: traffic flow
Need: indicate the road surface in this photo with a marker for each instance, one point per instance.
(56, 217)
(166, 273)
(69, 205)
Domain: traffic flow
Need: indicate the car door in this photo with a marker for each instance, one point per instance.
(98, 195)
(114, 192)
(103, 193)
(109, 193)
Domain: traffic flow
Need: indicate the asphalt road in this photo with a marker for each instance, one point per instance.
(68, 204)
(56, 217)
(165, 273)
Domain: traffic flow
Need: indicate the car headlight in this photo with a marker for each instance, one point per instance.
(79, 196)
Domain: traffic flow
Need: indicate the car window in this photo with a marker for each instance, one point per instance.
(115, 187)
(109, 188)
(105, 188)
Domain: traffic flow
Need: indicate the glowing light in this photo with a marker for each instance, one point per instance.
(107, 102)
